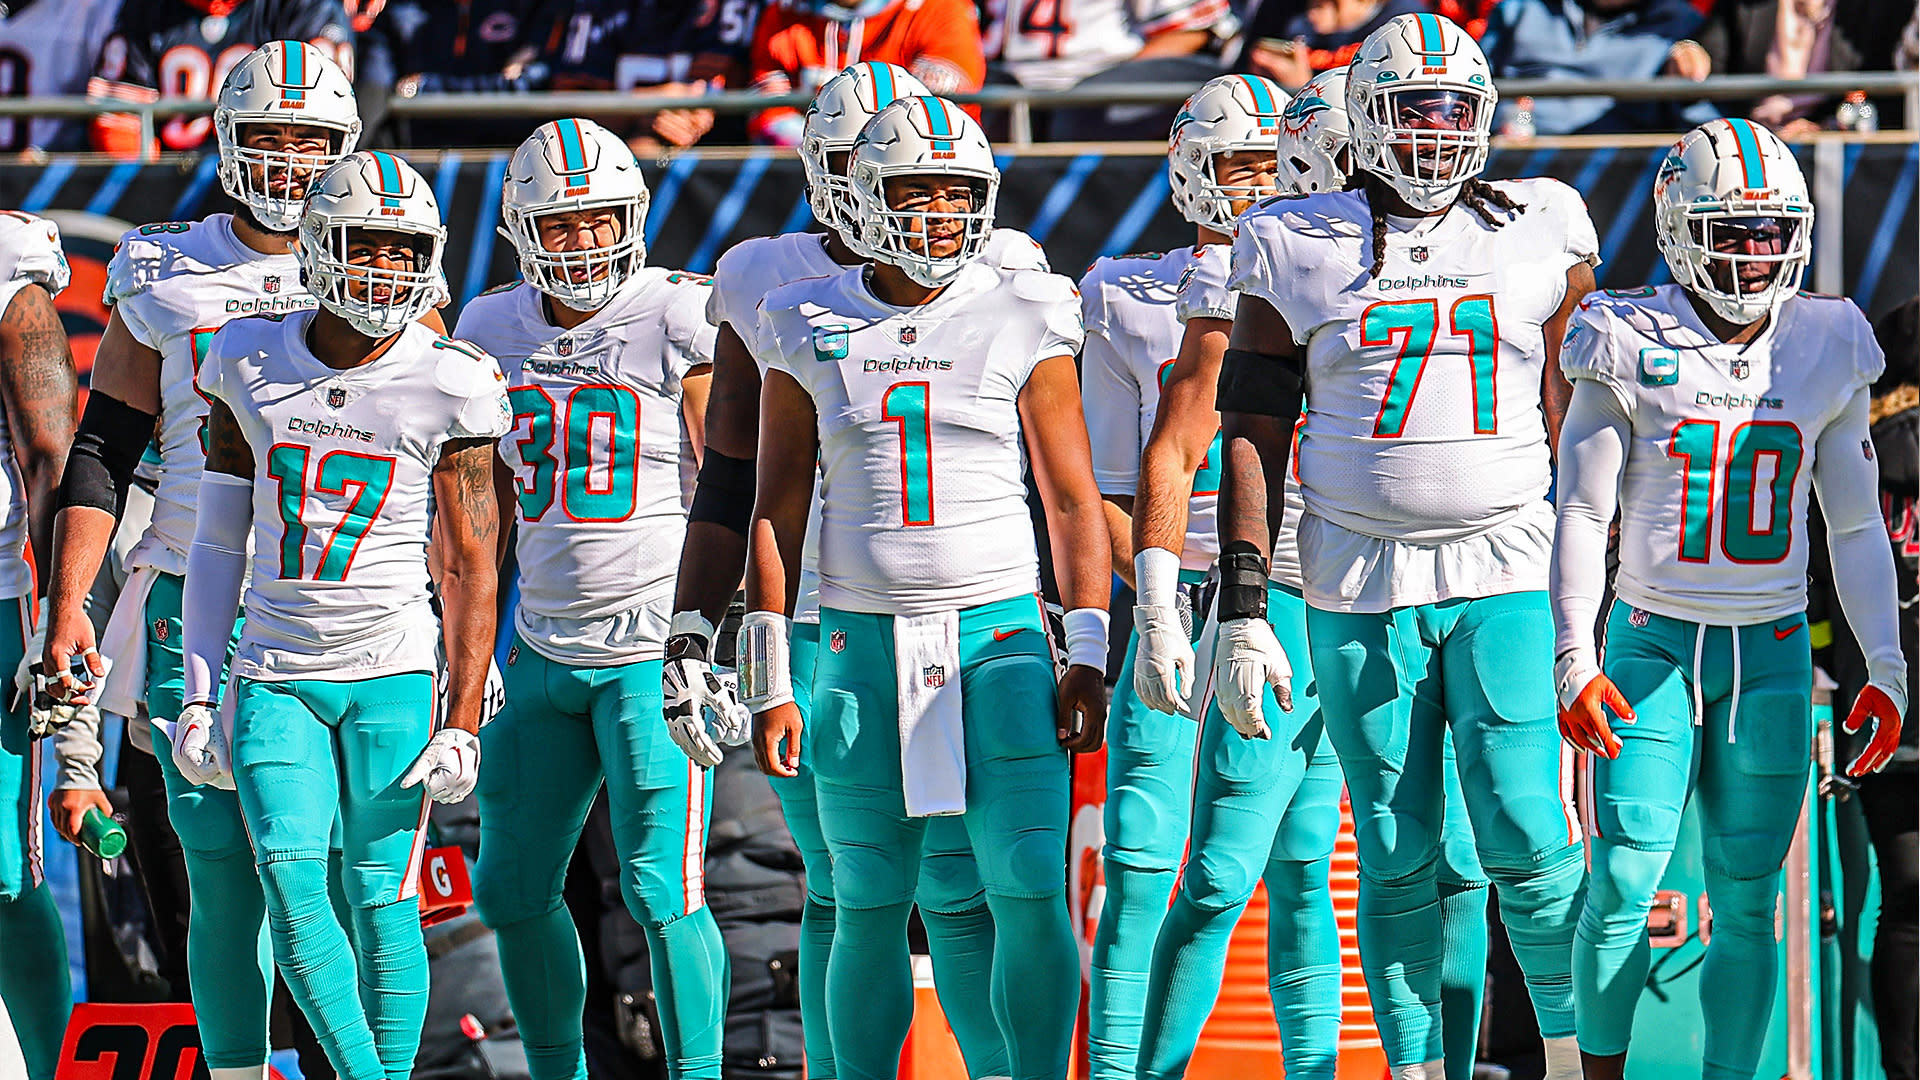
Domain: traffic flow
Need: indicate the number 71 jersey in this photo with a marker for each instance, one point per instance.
(343, 471)
(1713, 500)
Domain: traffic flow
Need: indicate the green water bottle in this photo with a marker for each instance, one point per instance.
(102, 835)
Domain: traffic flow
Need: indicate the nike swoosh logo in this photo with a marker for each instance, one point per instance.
(1002, 635)
(1782, 635)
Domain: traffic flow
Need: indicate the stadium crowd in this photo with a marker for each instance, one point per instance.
(141, 49)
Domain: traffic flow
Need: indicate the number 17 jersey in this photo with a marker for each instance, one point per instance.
(1719, 466)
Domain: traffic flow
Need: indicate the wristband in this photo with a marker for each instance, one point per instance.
(1086, 637)
(763, 652)
(1572, 671)
(1156, 573)
(1243, 582)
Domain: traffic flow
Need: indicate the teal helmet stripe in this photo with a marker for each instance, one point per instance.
(390, 188)
(293, 69)
(1746, 145)
(1433, 43)
(938, 125)
(1262, 97)
(884, 90)
(573, 154)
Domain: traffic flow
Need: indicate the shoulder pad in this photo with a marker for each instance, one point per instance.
(508, 287)
(1043, 286)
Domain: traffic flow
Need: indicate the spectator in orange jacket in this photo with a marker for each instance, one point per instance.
(801, 44)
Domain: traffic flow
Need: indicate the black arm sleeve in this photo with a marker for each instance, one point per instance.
(1263, 384)
(106, 450)
(724, 494)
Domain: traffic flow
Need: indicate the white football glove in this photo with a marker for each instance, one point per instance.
(1247, 659)
(449, 766)
(703, 709)
(200, 747)
(494, 697)
(1162, 660)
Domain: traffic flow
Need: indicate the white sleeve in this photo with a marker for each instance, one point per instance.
(1593, 449)
(216, 567)
(1110, 397)
(1863, 569)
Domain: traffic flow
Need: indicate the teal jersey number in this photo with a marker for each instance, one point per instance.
(907, 404)
(364, 479)
(1206, 481)
(601, 479)
(1417, 322)
(1697, 442)
(198, 339)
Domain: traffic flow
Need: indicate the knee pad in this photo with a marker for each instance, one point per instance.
(1143, 830)
(1623, 878)
(1746, 855)
(1744, 908)
(1030, 863)
(1410, 850)
(501, 898)
(1307, 832)
(865, 878)
(949, 882)
(209, 825)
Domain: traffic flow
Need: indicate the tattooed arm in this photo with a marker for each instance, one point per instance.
(468, 524)
(40, 393)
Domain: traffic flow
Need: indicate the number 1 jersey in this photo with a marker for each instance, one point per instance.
(1719, 468)
(923, 506)
(343, 475)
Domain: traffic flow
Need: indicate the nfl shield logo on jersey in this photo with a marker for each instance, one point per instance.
(272, 283)
(160, 630)
(513, 655)
(908, 335)
(564, 346)
(1739, 368)
(336, 397)
(1638, 618)
(837, 641)
(1420, 254)
(935, 675)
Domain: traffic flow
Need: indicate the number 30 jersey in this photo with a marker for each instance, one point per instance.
(343, 468)
(923, 508)
(602, 459)
(1424, 425)
(174, 284)
(1719, 465)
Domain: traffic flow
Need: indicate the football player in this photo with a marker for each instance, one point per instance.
(284, 114)
(47, 48)
(608, 362)
(952, 905)
(38, 389)
(1422, 311)
(1727, 395)
(1245, 830)
(328, 434)
(917, 382)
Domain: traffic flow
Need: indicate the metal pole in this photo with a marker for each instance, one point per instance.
(1020, 124)
(1829, 233)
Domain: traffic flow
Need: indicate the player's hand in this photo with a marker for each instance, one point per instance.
(1163, 660)
(1877, 706)
(1082, 703)
(1585, 696)
(776, 740)
(69, 807)
(1247, 659)
(199, 747)
(449, 766)
(69, 637)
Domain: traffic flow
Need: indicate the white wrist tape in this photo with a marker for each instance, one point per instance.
(1572, 671)
(1156, 577)
(1087, 637)
(690, 622)
(765, 674)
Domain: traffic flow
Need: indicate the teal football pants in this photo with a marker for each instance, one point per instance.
(226, 910)
(564, 730)
(1018, 800)
(33, 944)
(953, 909)
(306, 752)
(1393, 686)
(1744, 762)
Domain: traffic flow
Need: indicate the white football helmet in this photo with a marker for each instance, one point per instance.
(570, 165)
(1228, 114)
(1421, 63)
(371, 190)
(842, 107)
(920, 136)
(281, 82)
(1312, 149)
(1722, 173)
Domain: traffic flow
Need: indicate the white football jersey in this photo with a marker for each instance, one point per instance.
(923, 505)
(1204, 294)
(602, 459)
(751, 269)
(1053, 44)
(48, 48)
(1719, 468)
(174, 284)
(30, 254)
(343, 467)
(1133, 337)
(1424, 424)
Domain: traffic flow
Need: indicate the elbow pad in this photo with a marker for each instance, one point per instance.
(106, 451)
(724, 494)
(1262, 384)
